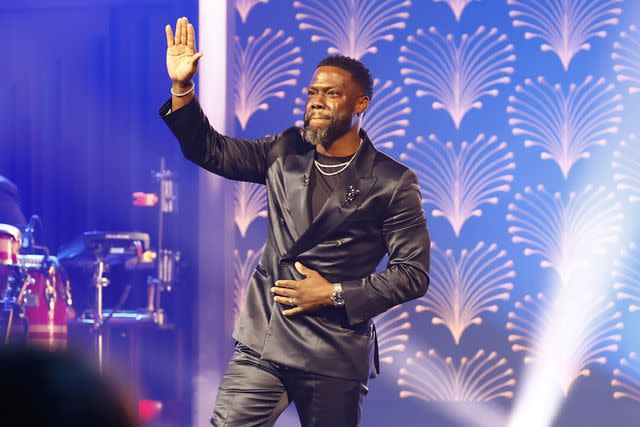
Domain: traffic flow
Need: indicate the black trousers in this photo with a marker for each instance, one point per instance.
(254, 392)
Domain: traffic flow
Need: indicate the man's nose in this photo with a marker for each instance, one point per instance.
(318, 102)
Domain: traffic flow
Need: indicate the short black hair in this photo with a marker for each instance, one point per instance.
(361, 74)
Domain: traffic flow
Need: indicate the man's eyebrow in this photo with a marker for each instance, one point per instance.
(320, 87)
(323, 88)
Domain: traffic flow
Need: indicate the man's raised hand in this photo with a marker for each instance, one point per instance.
(182, 59)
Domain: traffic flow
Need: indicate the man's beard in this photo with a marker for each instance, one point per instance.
(326, 135)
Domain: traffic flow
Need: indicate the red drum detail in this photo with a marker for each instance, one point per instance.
(44, 298)
(10, 241)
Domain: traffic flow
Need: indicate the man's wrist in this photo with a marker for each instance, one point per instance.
(337, 296)
(180, 87)
(181, 96)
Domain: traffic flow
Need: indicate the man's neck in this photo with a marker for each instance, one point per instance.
(344, 146)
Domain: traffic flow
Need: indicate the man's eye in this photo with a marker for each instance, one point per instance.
(311, 93)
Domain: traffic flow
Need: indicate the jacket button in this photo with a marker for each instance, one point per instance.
(284, 264)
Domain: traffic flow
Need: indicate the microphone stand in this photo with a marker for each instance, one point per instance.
(98, 318)
(166, 259)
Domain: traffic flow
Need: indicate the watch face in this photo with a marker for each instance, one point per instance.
(337, 296)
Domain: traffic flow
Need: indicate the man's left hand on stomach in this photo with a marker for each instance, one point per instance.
(310, 294)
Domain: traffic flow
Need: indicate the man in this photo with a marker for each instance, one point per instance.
(336, 207)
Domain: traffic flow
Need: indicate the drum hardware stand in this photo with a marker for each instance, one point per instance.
(15, 304)
(166, 259)
(100, 282)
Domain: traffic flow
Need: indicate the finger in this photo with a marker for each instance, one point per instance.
(196, 58)
(291, 284)
(169, 33)
(176, 40)
(285, 301)
(285, 292)
(303, 270)
(191, 37)
(183, 31)
(293, 311)
(178, 29)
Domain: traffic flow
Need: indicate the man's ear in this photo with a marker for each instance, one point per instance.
(362, 106)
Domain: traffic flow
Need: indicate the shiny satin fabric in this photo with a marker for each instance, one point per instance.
(377, 209)
(254, 392)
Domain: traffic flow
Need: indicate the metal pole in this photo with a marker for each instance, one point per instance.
(97, 322)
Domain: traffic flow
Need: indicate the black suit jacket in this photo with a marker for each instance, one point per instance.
(344, 243)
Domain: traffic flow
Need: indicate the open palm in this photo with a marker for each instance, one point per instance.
(182, 59)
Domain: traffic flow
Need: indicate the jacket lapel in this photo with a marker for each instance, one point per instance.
(297, 169)
(344, 200)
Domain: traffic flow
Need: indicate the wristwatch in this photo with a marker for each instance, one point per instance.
(337, 297)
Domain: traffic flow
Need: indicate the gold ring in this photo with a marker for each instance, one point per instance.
(290, 301)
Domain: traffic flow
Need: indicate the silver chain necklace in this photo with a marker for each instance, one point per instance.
(343, 166)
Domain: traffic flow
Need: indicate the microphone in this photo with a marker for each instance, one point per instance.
(28, 240)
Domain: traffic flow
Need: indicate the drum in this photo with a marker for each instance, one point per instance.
(10, 241)
(45, 299)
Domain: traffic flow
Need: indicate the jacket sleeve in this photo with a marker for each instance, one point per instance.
(408, 245)
(232, 158)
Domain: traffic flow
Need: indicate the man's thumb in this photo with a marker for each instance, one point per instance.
(196, 57)
(302, 269)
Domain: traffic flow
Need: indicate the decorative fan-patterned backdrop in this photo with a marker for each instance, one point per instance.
(519, 118)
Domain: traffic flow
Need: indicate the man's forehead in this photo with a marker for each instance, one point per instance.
(330, 76)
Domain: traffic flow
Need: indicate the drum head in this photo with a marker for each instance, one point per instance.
(10, 241)
(12, 231)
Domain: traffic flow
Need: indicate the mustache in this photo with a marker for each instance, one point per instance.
(318, 116)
